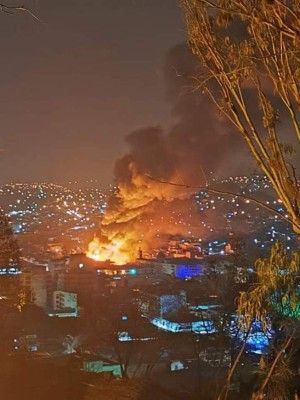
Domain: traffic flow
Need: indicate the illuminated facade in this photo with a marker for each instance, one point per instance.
(156, 303)
(64, 304)
(181, 268)
(99, 366)
(200, 327)
(257, 341)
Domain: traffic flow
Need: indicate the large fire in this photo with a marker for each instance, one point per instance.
(107, 251)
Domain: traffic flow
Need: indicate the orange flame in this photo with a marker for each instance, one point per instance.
(103, 252)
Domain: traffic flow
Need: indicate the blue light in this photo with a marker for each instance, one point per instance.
(257, 341)
(200, 327)
(124, 318)
(132, 271)
(188, 271)
(124, 337)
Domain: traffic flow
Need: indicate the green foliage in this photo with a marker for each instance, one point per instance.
(275, 286)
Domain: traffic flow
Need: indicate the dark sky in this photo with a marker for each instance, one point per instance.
(74, 85)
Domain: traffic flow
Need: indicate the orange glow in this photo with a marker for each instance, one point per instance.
(110, 251)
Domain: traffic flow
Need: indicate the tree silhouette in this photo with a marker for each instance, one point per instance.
(249, 65)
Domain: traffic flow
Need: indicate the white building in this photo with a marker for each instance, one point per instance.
(64, 304)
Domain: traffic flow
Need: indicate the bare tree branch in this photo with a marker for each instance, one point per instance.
(11, 10)
(268, 51)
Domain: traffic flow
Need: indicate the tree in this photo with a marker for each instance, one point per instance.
(12, 10)
(274, 289)
(265, 302)
(261, 61)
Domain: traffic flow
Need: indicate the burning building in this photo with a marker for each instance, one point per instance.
(144, 210)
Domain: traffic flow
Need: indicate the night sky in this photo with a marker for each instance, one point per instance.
(76, 83)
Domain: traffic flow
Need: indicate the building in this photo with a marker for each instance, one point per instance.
(85, 275)
(64, 304)
(27, 343)
(181, 268)
(84, 282)
(183, 326)
(81, 261)
(37, 286)
(184, 268)
(99, 366)
(158, 301)
(184, 249)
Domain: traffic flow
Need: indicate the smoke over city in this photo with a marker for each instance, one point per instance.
(200, 141)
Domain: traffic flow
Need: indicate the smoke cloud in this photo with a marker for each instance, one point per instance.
(199, 141)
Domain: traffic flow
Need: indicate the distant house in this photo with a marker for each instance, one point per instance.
(64, 304)
(99, 366)
(159, 301)
(182, 325)
(181, 268)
